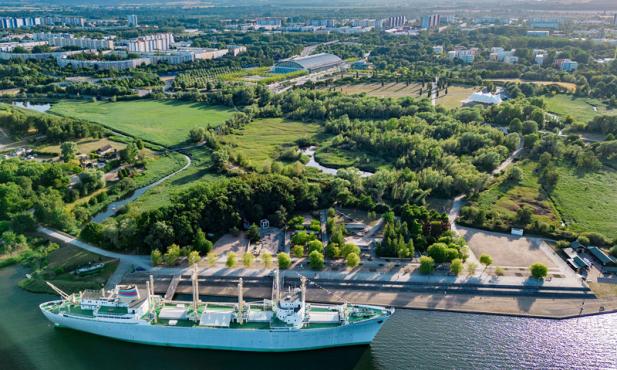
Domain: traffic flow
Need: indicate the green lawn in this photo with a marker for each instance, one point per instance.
(261, 139)
(505, 198)
(336, 157)
(165, 123)
(588, 201)
(162, 194)
(581, 109)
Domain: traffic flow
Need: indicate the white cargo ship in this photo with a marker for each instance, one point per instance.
(284, 323)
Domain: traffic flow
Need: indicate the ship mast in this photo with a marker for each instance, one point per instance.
(303, 290)
(195, 294)
(275, 288)
(240, 302)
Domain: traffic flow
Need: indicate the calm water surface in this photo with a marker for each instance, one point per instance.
(411, 339)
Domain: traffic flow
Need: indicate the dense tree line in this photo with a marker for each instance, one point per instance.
(55, 129)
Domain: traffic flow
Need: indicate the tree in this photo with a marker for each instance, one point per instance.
(156, 257)
(247, 259)
(211, 257)
(352, 260)
(200, 242)
(538, 270)
(193, 258)
(471, 268)
(515, 175)
(314, 245)
(427, 265)
(266, 258)
(333, 251)
(231, 260)
(284, 260)
(68, 149)
(613, 251)
(196, 134)
(456, 266)
(253, 233)
(486, 260)
(316, 260)
(172, 254)
(523, 215)
(129, 154)
(298, 251)
(349, 248)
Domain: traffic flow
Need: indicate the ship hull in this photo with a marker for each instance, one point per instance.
(252, 340)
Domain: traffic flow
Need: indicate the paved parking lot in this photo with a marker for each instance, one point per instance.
(507, 250)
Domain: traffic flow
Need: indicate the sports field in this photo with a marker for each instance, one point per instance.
(165, 123)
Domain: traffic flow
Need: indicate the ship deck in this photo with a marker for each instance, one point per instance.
(186, 319)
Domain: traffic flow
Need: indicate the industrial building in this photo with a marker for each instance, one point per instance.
(311, 63)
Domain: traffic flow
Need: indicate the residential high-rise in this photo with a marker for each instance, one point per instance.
(66, 21)
(132, 18)
(395, 22)
(19, 22)
(430, 21)
(145, 44)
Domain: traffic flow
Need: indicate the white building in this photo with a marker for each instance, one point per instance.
(150, 43)
(503, 56)
(132, 19)
(483, 98)
(62, 40)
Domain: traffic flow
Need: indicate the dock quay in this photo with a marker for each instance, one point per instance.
(551, 301)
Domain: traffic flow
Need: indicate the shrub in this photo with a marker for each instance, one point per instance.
(349, 248)
(538, 270)
(156, 257)
(266, 258)
(298, 251)
(333, 251)
(247, 259)
(352, 260)
(315, 245)
(427, 265)
(499, 271)
(193, 258)
(211, 258)
(456, 266)
(284, 260)
(231, 260)
(316, 260)
(613, 251)
(172, 254)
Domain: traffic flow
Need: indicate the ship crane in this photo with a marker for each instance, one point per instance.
(60, 292)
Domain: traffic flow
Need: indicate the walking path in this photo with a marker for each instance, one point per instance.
(113, 208)
(135, 260)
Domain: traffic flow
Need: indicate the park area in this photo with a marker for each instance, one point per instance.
(587, 201)
(579, 199)
(261, 140)
(399, 90)
(160, 122)
(582, 110)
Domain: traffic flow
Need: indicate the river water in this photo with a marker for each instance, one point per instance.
(410, 339)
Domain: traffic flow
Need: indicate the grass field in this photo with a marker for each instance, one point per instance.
(329, 156)
(260, 140)
(455, 95)
(165, 123)
(505, 199)
(162, 194)
(566, 85)
(84, 146)
(588, 201)
(399, 90)
(581, 109)
(60, 264)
